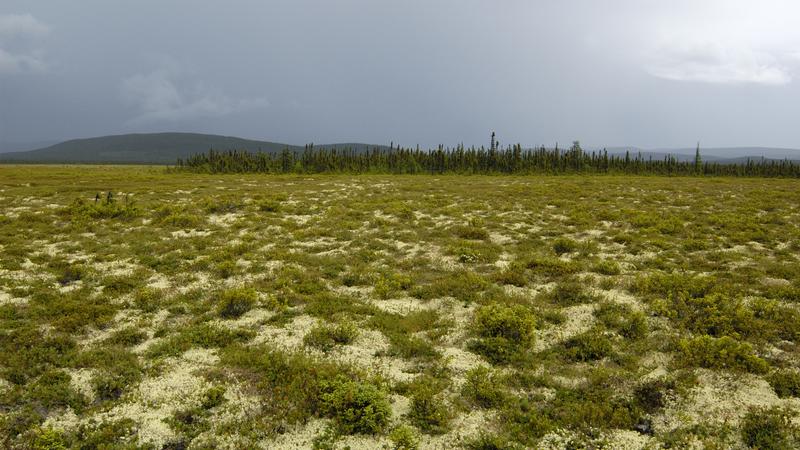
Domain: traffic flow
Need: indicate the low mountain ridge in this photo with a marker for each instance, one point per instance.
(166, 148)
(149, 148)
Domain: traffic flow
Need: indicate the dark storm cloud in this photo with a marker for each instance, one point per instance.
(644, 73)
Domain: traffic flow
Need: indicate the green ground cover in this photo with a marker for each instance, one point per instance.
(252, 311)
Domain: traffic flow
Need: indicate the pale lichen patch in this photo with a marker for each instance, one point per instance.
(580, 319)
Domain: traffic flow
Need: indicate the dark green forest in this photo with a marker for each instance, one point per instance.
(467, 161)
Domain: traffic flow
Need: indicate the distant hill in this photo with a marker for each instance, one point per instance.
(7, 146)
(149, 148)
(166, 148)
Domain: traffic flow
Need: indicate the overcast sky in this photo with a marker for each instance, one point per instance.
(646, 73)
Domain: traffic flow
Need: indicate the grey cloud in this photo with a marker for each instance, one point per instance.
(647, 73)
(21, 63)
(714, 64)
(16, 32)
(158, 98)
(21, 24)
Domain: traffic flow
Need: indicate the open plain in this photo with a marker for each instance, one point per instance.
(146, 309)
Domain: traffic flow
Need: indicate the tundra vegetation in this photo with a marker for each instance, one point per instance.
(145, 309)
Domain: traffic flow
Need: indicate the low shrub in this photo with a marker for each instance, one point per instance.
(294, 382)
(356, 407)
(569, 293)
(72, 273)
(503, 331)
(25, 353)
(607, 268)
(672, 285)
(269, 205)
(589, 346)
(472, 232)
(118, 370)
(223, 205)
(126, 337)
(513, 322)
(388, 285)
(429, 411)
(552, 267)
(148, 299)
(720, 353)
(234, 303)
(201, 335)
(785, 383)
(462, 285)
(620, 318)
(513, 275)
(770, 429)
(52, 390)
(651, 396)
(482, 387)
(325, 337)
(81, 210)
(404, 437)
(225, 269)
(563, 246)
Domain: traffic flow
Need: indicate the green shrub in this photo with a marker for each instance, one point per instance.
(472, 232)
(116, 285)
(720, 353)
(404, 437)
(607, 268)
(485, 441)
(429, 411)
(589, 346)
(563, 245)
(388, 285)
(503, 331)
(80, 210)
(401, 330)
(635, 326)
(785, 383)
(127, 337)
(552, 267)
(325, 337)
(651, 396)
(105, 434)
(72, 273)
(25, 353)
(714, 314)
(672, 285)
(201, 335)
(462, 285)
(356, 407)
(148, 299)
(52, 390)
(118, 370)
(181, 220)
(513, 275)
(225, 269)
(569, 293)
(513, 322)
(234, 303)
(223, 205)
(269, 205)
(482, 387)
(619, 317)
(769, 429)
(48, 439)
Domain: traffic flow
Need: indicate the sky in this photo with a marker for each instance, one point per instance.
(646, 73)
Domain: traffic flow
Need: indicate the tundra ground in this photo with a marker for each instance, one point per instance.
(250, 311)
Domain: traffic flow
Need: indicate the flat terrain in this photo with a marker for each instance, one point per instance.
(248, 311)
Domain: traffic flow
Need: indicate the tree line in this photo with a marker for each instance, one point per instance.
(460, 160)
